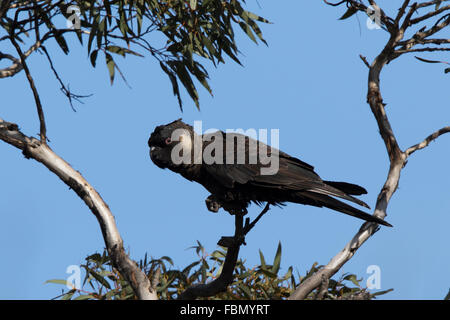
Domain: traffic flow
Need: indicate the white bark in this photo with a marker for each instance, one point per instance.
(397, 157)
(35, 149)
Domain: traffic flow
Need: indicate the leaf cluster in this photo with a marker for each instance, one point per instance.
(179, 34)
(262, 282)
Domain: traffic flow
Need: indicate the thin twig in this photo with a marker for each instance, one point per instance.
(364, 59)
(401, 12)
(249, 226)
(221, 283)
(65, 91)
(40, 111)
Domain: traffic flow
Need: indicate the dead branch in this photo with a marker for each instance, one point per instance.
(233, 245)
(397, 157)
(427, 141)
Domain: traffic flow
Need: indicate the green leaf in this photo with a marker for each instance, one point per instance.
(269, 273)
(61, 42)
(100, 279)
(247, 30)
(93, 32)
(350, 11)
(353, 279)
(111, 66)
(168, 259)
(218, 254)
(180, 68)
(253, 16)
(84, 297)
(277, 260)
(263, 261)
(93, 57)
(58, 281)
(122, 51)
(94, 257)
(379, 293)
(430, 61)
(173, 80)
(68, 295)
(245, 290)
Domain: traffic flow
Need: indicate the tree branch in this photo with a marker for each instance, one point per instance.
(41, 152)
(233, 245)
(10, 71)
(429, 3)
(16, 67)
(40, 111)
(396, 158)
(430, 14)
(401, 12)
(427, 141)
(221, 283)
(426, 49)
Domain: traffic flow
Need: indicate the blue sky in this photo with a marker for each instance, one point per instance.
(308, 82)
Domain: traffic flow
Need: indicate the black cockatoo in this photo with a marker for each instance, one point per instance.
(235, 182)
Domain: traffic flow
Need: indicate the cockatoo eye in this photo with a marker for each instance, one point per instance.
(168, 141)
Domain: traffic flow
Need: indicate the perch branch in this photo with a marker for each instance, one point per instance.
(221, 283)
(41, 152)
(233, 245)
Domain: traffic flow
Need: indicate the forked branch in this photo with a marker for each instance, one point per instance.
(397, 157)
(427, 141)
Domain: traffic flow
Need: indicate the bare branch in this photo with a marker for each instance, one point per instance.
(407, 20)
(323, 288)
(37, 100)
(386, 21)
(429, 3)
(420, 37)
(4, 7)
(41, 152)
(221, 283)
(335, 263)
(233, 245)
(335, 4)
(364, 233)
(427, 141)
(401, 12)
(66, 91)
(16, 67)
(430, 14)
(427, 49)
(249, 226)
(397, 160)
(428, 41)
(397, 157)
(364, 59)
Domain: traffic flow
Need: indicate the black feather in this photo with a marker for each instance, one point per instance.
(234, 185)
